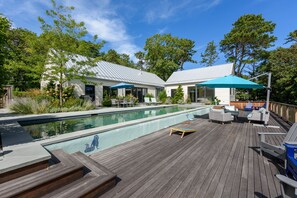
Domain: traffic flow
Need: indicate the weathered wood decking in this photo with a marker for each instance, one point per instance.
(216, 161)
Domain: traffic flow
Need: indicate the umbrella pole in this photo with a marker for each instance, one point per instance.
(267, 103)
(268, 95)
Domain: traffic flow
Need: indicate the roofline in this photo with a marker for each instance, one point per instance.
(190, 81)
(128, 81)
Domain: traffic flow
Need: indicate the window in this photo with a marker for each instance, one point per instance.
(173, 92)
(111, 92)
(90, 91)
(192, 93)
(158, 90)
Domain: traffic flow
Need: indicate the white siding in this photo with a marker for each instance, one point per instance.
(223, 94)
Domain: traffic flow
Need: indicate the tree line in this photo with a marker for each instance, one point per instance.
(24, 54)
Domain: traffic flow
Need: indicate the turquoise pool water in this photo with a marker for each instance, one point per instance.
(54, 128)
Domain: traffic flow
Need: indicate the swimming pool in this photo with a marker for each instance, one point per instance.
(94, 140)
(56, 127)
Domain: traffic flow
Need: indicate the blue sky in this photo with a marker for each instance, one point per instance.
(125, 24)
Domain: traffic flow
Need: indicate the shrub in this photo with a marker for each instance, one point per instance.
(29, 93)
(29, 106)
(149, 95)
(189, 101)
(162, 96)
(37, 106)
(178, 97)
(106, 102)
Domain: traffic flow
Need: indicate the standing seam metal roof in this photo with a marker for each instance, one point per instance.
(200, 74)
(110, 71)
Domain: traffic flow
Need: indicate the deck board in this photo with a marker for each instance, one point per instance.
(216, 161)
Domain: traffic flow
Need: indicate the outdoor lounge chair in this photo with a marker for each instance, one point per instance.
(154, 101)
(182, 130)
(288, 186)
(220, 115)
(147, 101)
(277, 151)
(260, 115)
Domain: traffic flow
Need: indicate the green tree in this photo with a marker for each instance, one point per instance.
(210, 55)
(113, 56)
(141, 62)
(4, 28)
(292, 37)
(250, 34)
(25, 63)
(165, 54)
(63, 33)
(283, 65)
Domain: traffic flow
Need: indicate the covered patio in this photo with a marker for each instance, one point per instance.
(216, 161)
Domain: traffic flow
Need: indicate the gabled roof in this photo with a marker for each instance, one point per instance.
(200, 74)
(114, 72)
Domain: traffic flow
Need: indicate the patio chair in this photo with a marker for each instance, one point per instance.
(260, 115)
(248, 107)
(147, 101)
(154, 101)
(114, 102)
(288, 186)
(277, 151)
(220, 115)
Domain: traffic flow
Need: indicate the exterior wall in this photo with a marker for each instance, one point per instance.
(80, 88)
(152, 91)
(223, 94)
(184, 86)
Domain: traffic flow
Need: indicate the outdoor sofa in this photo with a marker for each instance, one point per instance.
(260, 115)
(220, 115)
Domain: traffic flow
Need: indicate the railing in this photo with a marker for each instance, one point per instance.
(241, 104)
(286, 111)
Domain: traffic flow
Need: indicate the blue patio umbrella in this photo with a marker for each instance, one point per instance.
(122, 85)
(230, 82)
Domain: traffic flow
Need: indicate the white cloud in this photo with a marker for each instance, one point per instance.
(101, 19)
(165, 9)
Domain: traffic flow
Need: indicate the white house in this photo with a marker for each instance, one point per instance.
(189, 78)
(109, 74)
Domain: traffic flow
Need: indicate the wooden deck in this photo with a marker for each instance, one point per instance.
(216, 161)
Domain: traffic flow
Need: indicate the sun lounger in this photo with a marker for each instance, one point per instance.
(154, 101)
(147, 101)
(182, 130)
(278, 151)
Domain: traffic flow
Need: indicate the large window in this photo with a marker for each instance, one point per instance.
(173, 91)
(138, 92)
(192, 93)
(110, 92)
(158, 90)
(90, 91)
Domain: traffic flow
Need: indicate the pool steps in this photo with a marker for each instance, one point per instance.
(67, 175)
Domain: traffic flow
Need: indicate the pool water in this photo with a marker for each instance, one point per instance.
(46, 130)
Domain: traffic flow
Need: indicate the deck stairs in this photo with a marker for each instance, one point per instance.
(64, 175)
